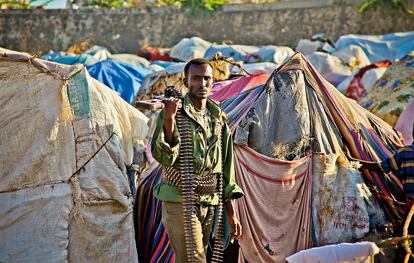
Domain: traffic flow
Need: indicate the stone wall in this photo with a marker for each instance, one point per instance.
(125, 30)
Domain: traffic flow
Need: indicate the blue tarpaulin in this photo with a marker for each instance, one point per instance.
(123, 78)
(70, 59)
(382, 47)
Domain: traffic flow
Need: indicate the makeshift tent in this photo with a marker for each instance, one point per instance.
(318, 42)
(272, 54)
(235, 52)
(393, 91)
(71, 59)
(131, 59)
(353, 56)
(255, 68)
(123, 78)
(189, 48)
(155, 83)
(380, 47)
(332, 68)
(65, 142)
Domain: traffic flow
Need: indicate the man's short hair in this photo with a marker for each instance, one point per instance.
(196, 61)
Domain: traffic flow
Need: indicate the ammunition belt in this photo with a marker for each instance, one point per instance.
(188, 188)
(206, 183)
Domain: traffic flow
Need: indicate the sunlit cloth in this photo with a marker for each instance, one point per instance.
(368, 137)
(275, 211)
(226, 89)
(405, 123)
(151, 236)
(330, 67)
(362, 252)
(71, 59)
(380, 47)
(393, 91)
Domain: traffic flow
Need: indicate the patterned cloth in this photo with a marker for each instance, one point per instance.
(356, 89)
(392, 93)
(402, 164)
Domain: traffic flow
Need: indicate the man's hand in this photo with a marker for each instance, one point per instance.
(235, 228)
(170, 110)
(171, 107)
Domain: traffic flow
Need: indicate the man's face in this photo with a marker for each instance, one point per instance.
(199, 81)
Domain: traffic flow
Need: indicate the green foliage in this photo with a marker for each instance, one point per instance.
(108, 3)
(391, 4)
(19, 4)
(196, 5)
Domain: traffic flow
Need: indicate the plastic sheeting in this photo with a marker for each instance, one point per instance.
(361, 252)
(64, 144)
(256, 68)
(71, 59)
(353, 56)
(332, 68)
(123, 78)
(272, 54)
(131, 59)
(297, 112)
(380, 47)
(189, 48)
(235, 52)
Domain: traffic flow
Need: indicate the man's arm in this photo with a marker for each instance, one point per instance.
(231, 190)
(235, 226)
(165, 141)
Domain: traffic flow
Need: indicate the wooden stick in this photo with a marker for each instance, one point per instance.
(406, 245)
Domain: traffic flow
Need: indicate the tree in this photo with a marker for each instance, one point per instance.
(402, 5)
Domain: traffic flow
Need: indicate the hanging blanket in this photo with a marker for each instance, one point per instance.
(275, 212)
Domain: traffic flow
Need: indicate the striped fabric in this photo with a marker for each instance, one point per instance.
(237, 107)
(152, 240)
(402, 164)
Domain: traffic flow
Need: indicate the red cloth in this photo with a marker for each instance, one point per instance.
(155, 53)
